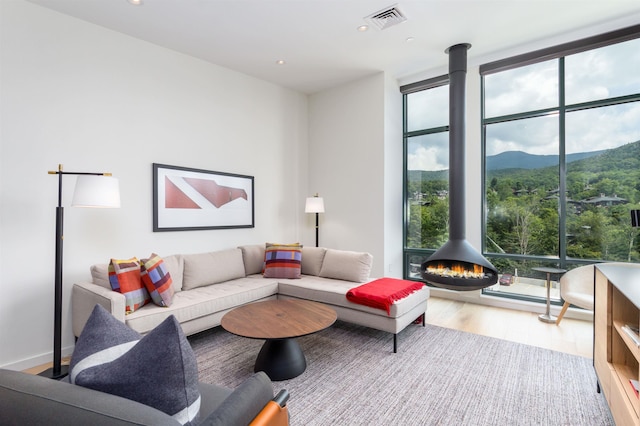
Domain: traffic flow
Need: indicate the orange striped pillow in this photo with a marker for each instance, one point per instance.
(282, 260)
(124, 277)
(157, 280)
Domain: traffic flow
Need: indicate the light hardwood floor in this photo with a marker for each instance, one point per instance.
(571, 336)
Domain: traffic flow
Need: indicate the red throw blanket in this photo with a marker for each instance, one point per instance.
(382, 292)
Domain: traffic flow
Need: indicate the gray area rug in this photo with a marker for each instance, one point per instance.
(438, 377)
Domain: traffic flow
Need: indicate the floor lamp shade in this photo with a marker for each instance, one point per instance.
(92, 190)
(315, 205)
(96, 191)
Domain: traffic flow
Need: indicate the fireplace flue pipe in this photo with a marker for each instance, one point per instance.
(457, 126)
(457, 250)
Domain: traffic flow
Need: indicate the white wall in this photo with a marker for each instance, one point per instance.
(393, 180)
(346, 165)
(96, 100)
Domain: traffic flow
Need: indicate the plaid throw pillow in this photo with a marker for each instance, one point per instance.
(124, 277)
(158, 369)
(282, 260)
(157, 280)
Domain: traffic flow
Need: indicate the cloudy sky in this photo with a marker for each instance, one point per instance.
(598, 74)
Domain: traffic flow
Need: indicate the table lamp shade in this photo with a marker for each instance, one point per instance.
(96, 191)
(314, 205)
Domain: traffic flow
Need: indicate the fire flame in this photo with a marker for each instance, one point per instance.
(457, 271)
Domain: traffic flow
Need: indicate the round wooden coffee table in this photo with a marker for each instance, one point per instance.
(279, 322)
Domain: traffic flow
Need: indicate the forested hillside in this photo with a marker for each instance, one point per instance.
(522, 206)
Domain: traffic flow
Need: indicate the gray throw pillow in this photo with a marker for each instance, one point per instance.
(158, 370)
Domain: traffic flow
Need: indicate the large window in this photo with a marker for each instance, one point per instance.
(562, 159)
(561, 162)
(426, 147)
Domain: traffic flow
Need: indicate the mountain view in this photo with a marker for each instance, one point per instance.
(522, 160)
(519, 160)
(522, 204)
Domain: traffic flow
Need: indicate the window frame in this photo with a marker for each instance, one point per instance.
(406, 90)
(559, 53)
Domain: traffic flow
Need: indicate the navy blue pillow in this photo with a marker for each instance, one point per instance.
(158, 370)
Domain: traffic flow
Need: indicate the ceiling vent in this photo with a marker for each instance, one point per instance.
(386, 17)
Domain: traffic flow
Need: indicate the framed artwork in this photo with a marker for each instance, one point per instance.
(191, 199)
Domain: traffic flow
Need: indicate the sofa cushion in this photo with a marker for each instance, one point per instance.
(346, 265)
(211, 268)
(200, 303)
(333, 292)
(253, 258)
(312, 258)
(158, 370)
(282, 260)
(175, 266)
(124, 277)
(100, 275)
(157, 280)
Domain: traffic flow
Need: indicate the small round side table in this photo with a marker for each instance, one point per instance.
(547, 317)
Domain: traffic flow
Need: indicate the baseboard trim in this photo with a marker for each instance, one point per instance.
(35, 361)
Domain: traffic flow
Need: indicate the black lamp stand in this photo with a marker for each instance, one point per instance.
(59, 371)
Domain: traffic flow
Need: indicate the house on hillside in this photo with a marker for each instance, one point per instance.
(603, 201)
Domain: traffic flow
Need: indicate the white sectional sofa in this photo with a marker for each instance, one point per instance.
(208, 285)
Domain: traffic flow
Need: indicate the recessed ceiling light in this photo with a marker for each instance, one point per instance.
(363, 28)
(136, 2)
(409, 39)
(281, 62)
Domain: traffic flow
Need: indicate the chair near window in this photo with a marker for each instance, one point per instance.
(576, 288)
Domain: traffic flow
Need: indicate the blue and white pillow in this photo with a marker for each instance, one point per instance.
(158, 370)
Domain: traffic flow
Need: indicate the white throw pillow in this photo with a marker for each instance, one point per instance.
(346, 265)
(312, 258)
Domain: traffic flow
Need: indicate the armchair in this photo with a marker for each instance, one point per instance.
(576, 288)
(26, 399)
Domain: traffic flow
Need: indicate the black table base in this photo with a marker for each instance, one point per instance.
(281, 359)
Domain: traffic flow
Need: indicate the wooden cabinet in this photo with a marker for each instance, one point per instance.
(616, 349)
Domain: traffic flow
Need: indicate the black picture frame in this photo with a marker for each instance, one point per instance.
(188, 199)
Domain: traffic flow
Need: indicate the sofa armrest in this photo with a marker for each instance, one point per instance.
(243, 404)
(275, 413)
(85, 296)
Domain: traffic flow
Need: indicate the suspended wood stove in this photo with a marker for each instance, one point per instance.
(457, 265)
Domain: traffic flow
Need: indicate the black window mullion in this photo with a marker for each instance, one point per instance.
(618, 100)
(405, 188)
(521, 115)
(562, 196)
(431, 131)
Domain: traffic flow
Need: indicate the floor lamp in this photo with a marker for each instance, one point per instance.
(92, 190)
(315, 205)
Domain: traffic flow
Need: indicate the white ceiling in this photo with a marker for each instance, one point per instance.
(321, 46)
